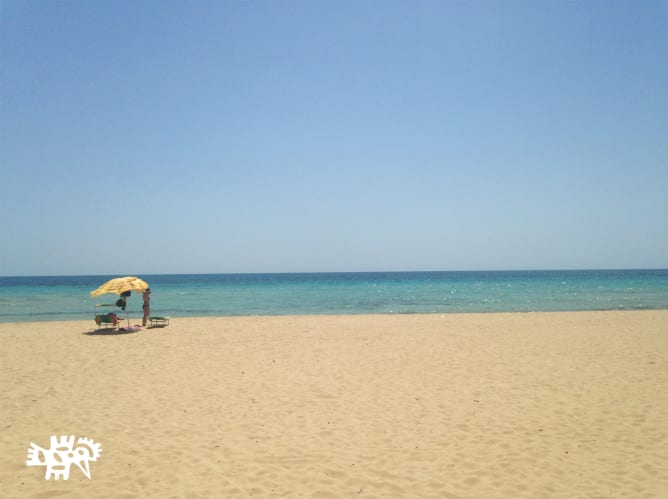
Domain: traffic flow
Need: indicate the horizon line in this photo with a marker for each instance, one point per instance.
(574, 269)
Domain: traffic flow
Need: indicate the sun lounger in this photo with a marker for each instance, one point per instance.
(158, 321)
(106, 319)
(103, 320)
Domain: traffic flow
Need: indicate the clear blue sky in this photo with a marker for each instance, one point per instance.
(276, 136)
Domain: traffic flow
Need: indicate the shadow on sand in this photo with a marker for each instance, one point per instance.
(109, 332)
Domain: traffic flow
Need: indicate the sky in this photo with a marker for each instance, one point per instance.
(151, 137)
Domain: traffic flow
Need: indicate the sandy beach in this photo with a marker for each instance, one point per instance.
(554, 405)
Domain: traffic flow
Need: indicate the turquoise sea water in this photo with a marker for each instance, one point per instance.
(67, 297)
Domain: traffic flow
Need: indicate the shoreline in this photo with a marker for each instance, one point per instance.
(517, 404)
(137, 318)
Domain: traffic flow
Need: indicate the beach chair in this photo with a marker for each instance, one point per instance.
(158, 321)
(105, 319)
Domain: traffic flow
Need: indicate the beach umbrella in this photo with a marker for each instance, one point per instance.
(121, 285)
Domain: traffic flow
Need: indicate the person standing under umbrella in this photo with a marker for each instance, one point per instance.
(147, 305)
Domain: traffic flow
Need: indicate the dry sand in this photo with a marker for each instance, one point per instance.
(554, 405)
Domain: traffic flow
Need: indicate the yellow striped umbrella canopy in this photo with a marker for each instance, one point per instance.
(121, 285)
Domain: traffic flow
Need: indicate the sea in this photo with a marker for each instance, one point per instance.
(27, 299)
